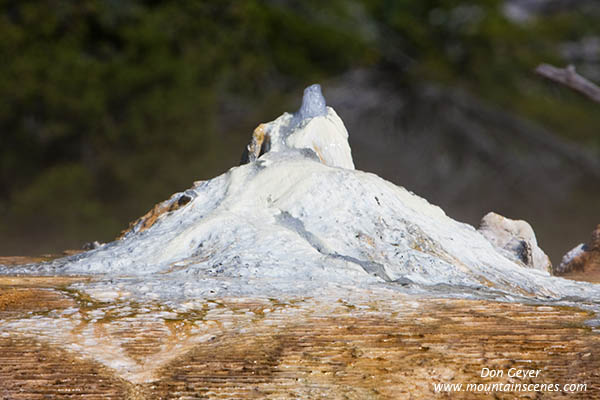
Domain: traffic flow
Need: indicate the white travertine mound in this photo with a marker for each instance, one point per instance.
(298, 217)
(516, 239)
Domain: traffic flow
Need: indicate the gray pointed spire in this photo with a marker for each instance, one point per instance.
(313, 103)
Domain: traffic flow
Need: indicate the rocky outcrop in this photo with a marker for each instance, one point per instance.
(582, 258)
(515, 239)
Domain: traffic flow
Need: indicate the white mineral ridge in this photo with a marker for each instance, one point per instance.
(288, 222)
(296, 220)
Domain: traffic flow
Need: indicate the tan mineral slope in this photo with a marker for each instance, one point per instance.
(243, 348)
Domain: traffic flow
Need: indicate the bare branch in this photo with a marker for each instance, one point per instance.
(569, 77)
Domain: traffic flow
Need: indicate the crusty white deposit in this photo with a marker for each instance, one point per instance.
(299, 218)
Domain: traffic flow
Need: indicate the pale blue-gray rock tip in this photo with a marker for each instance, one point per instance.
(313, 103)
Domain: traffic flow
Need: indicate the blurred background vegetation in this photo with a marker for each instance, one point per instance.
(109, 106)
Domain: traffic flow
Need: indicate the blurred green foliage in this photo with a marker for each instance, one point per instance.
(109, 106)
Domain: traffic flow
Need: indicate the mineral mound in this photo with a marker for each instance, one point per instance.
(298, 216)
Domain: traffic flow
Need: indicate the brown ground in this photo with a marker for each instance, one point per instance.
(31, 370)
(20, 260)
(372, 350)
(356, 356)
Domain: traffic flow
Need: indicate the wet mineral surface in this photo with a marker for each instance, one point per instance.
(58, 343)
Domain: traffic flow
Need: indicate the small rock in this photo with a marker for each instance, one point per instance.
(583, 257)
(515, 239)
(565, 264)
(92, 245)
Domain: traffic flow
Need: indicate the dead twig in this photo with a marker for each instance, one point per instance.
(570, 78)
